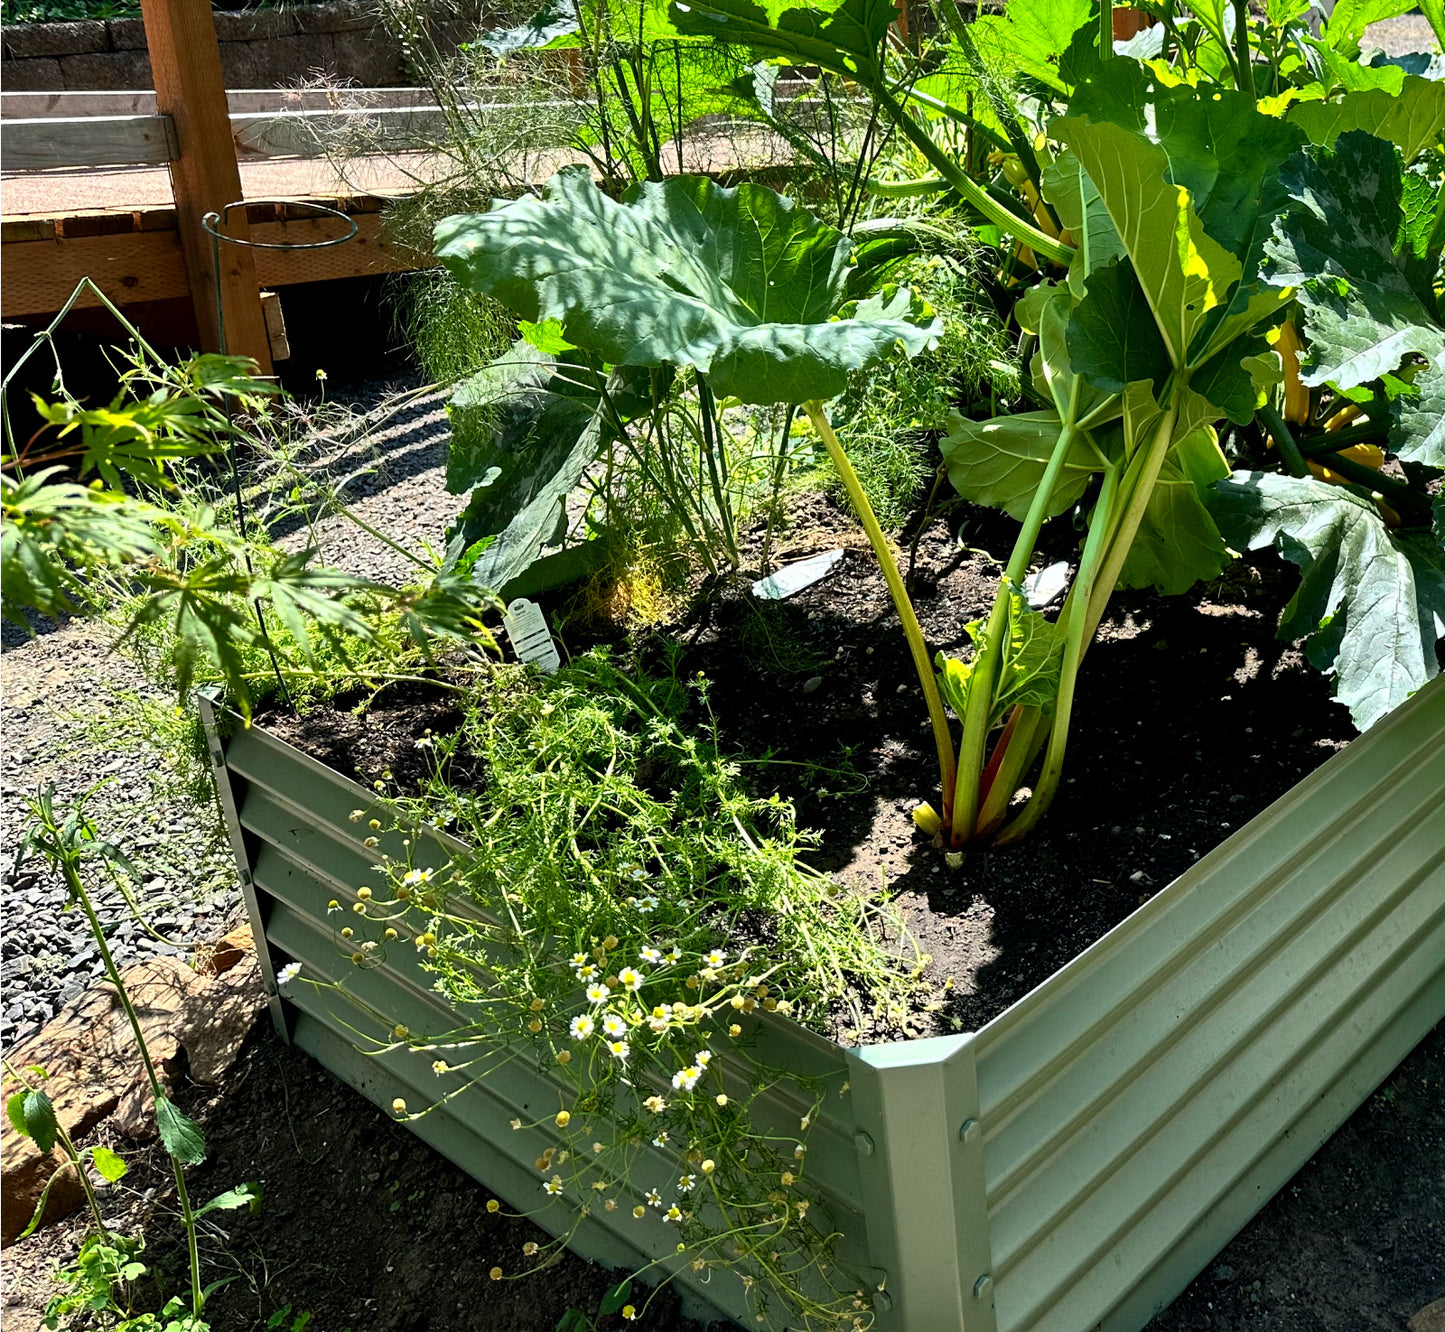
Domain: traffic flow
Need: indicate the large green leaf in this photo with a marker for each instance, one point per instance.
(1372, 603)
(1001, 462)
(1177, 544)
(1045, 311)
(1113, 337)
(742, 284)
(1029, 37)
(1183, 273)
(1075, 199)
(1412, 118)
(1337, 246)
(556, 18)
(524, 512)
(842, 37)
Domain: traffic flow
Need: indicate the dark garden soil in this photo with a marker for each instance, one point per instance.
(1191, 718)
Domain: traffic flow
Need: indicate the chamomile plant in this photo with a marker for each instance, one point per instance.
(617, 904)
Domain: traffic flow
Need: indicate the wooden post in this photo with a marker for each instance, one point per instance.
(186, 66)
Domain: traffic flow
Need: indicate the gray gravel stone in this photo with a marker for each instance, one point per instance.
(60, 688)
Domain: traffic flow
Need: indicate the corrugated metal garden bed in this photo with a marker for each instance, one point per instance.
(1073, 1163)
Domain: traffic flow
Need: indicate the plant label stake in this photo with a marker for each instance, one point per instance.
(531, 639)
(213, 225)
(784, 583)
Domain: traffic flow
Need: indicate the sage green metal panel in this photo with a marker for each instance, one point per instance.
(1141, 1104)
(1127, 1117)
(920, 1147)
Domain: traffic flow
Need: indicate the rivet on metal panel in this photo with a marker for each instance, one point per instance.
(983, 1287)
(882, 1301)
(863, 1143)
(968, 1130)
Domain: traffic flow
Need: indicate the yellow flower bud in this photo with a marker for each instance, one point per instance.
(493, 1205)
(495, 1274)
(364, 893)
(537, 1005)
(564, 1056)
(564, 1118)
(722, 1098)
(400, 1032)
(399, 1106)
(639, 1211)
(708, 1166)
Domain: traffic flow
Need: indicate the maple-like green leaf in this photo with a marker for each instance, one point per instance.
(1339, 246)
(742, 284)
(1030, 36)
(1371, 602)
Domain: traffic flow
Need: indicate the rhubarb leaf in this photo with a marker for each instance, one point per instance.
(742, 284)
(1177, 544)
(1001, 462)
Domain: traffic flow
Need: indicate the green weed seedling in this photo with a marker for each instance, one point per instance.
(66, 843)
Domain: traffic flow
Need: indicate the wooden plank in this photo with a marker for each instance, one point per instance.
(94, 223)
(41, 143)
(14, 229)
(142, 102)
(140, 266)
(186, 65)
(365, 254)
(40, 274)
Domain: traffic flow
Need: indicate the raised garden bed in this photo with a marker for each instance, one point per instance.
(1073, 1161)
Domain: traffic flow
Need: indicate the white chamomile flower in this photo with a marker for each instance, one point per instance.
(630, 979)
(647, 904)
(619, 1049)
(703, 1058)
(661, 1139)
(673, 1214)
(597, 994)
(287, 974)
(578, 960)
(715, 958)
(425, 742)
(685, 1079)
(587, 972)
(554, 1185)
(613, 1025)
(653, 1197)
(582, 1027)
(684, 1185)
(673, 954)
(416, 877)
(651, 954)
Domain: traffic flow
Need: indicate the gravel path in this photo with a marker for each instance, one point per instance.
(71, 712)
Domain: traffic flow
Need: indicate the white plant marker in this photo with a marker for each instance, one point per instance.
(531, 639)
(797, 576)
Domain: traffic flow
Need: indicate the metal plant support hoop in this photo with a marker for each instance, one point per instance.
(212, 224)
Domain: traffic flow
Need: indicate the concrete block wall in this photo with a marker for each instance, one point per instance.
(264, 48)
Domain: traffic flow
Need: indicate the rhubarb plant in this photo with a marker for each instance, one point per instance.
(743, 287)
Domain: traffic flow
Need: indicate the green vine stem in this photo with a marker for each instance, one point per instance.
(942, 737)
(1037, 240)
